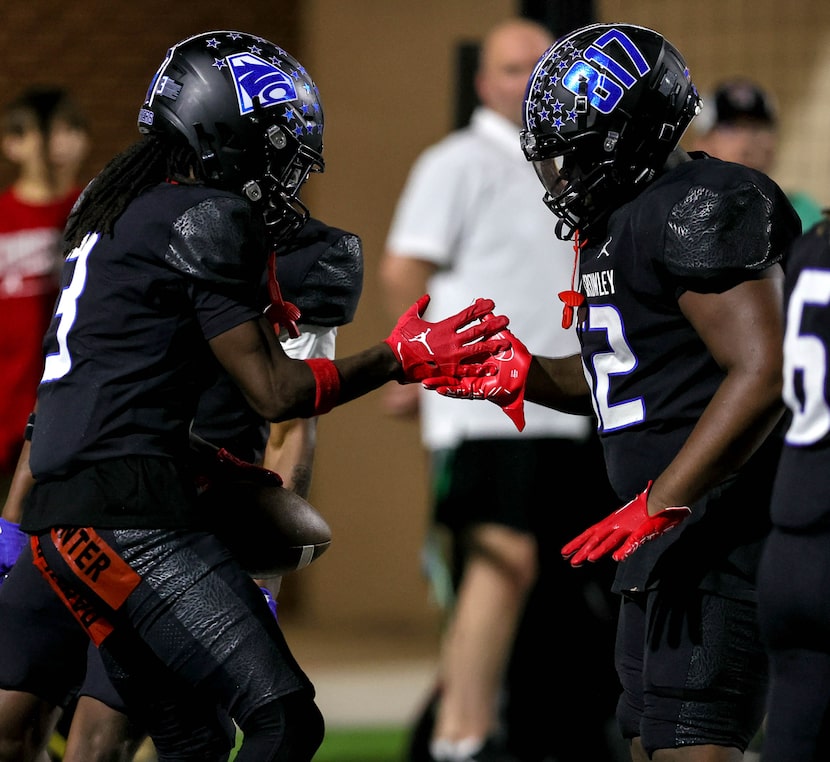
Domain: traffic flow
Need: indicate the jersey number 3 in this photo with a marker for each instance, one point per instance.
(59, 363)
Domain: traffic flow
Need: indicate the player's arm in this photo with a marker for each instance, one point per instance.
(291, 444)
(743, 329)
(558, 382)
(290, 452)
(404, 279)
(22, 481)
(12, 540)
(279, 388)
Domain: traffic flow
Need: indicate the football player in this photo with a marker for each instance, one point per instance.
(793, 578)
(677, 306)
(167, 246)
(42, 651)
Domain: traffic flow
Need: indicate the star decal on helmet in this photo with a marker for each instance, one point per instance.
(546, 78)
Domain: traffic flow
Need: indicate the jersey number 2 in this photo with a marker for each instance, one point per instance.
(618, 361)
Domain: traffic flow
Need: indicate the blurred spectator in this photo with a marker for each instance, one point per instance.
(471, 220)
(739, 122)
(44, 134)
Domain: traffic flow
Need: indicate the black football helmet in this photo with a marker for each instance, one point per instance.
(604, 108)
(251, 113)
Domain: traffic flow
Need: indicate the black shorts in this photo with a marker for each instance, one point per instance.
(553, 488)
(97, 683)
(42, 648)
(184, 633)
(692, 667)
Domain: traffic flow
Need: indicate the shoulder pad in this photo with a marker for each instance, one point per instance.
(714, 231)
(321, 271)
(216, 239)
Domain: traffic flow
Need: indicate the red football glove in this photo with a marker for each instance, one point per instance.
(503, 381)
(623, 531)
(437, 350)
(213, 464)
(232, 467)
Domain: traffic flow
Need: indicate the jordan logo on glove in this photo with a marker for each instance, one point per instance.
(422, 338)
(456, 347)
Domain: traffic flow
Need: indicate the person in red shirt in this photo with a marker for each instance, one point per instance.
(45, 135)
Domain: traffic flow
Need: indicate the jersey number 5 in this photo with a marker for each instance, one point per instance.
(805, 357)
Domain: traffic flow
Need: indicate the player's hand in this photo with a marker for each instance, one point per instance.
(231, 467)
(270, 600)
(12, 542)
(213, 464)
(503, 381)
(623, 531)
(435, 350)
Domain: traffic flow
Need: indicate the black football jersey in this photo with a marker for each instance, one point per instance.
(126, 353)
(320, 271)
(801, 497)
(706, 225)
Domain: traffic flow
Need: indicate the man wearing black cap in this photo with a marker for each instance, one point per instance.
(738, 122)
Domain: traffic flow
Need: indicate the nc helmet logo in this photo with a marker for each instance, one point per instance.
(254, 77)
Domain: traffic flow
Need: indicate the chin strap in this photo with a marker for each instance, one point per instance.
(571, 298)
(282, 314)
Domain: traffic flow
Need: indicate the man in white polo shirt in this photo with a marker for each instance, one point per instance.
(471, 220)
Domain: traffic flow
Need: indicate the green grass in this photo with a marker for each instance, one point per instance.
(360, 745)
(379, 744)
(363, 745)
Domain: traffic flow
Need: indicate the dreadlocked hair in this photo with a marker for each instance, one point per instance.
(149, 161)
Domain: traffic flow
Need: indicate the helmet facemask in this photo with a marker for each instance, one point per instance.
(285, 166)
(581, 184)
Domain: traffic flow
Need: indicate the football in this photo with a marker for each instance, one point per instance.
(271, 530)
